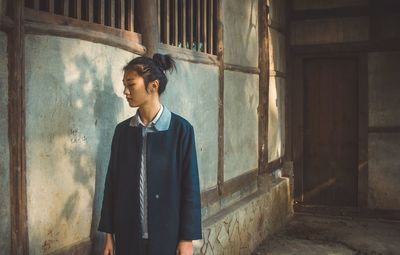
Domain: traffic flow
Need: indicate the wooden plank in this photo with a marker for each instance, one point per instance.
(122, 13)
(210, 31)
(275, 165)
(166, 35)
(45, 23)
(209, 197)
(204, 32)
(183, 23)
(243, 69)
(51, 6)
(102, 13)
(191, 13)
(198, 39)
(112, 13)
(220, 55)
(78, 9)
(16, 130)
(90, 11)
(263, 66)
(231, 186)
(175, 23)
(36, 5)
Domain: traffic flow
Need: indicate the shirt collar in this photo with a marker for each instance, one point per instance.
(160, 122)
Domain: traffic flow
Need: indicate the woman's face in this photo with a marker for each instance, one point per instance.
(135, 90)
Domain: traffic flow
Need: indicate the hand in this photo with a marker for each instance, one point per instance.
(108, 245)
(185, 247)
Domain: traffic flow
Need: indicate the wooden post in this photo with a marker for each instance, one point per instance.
(149, 25)
(16, 131)
(220, 55)
(263, 63)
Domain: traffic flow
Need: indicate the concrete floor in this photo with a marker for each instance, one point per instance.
(312, 235)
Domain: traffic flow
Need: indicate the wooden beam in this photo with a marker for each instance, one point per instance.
(243, 69)
(149, 26)
(231, 186)
(220, 56)
(263, 66)
(16, 130)
(45, 23)
(209, 197)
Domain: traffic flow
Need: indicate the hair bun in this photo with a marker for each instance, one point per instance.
(165, 62)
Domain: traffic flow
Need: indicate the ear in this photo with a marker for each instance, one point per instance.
(154, 85)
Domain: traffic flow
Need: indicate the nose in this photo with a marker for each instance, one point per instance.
(126, 91)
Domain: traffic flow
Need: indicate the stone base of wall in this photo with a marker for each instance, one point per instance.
(240, 228)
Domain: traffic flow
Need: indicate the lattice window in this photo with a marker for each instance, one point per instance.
(190, 24)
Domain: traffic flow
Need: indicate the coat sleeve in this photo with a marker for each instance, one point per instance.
(190, 220)
(106, 223)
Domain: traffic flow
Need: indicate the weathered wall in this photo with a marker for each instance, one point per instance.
(240, 123)
(74, 100)
(192, 92)
(277, 81)
(5, 219)
(240, 32)
(247, 223)
(384, 148)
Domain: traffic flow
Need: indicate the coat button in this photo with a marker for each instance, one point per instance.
(157, 196)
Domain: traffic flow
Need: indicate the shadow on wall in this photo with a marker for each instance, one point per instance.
(72, 120)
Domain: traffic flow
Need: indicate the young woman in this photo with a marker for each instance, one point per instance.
(151, 202)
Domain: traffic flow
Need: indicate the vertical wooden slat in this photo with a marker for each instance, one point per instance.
(16, 130)
(112, 13)
(90, 10)
(66, 8)
(132, 15)
(176, 39)
(149, 26)
(204, 32)
(102, 12)
(78, 9)
(210, 18)
(51, 6)
(191, 24)
(220, 55)
(198, 25)
(183, 24)
(122, 14)
(36, 4)
(167, 21)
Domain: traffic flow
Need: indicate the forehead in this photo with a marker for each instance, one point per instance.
(131, 75)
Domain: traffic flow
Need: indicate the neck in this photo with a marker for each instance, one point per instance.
(149, 110)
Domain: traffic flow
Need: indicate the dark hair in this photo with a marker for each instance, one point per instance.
(152, 69)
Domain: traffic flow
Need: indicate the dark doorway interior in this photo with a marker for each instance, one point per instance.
(330, 131)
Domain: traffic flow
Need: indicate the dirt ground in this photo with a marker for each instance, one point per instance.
(311, 235)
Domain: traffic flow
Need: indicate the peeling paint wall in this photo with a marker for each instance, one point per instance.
(5, 217)
(384, 148)
(192, 92)
(240, 123)
(241, 32)
(74, 100)
(277, 80)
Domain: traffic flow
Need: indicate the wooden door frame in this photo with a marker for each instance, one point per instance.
(297, 81)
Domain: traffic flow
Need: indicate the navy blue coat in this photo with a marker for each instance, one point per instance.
(172, 184)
